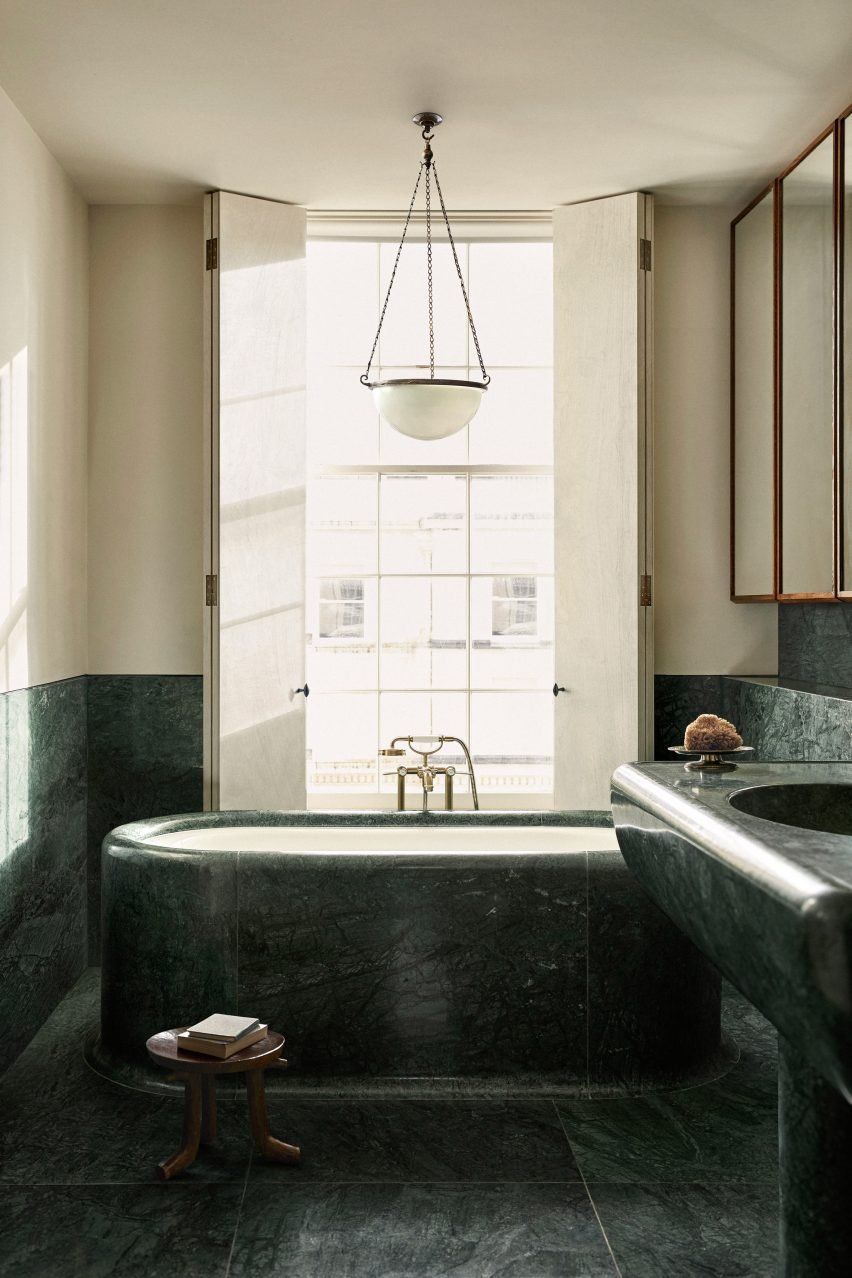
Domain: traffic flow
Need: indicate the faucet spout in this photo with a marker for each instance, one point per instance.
(426, 771)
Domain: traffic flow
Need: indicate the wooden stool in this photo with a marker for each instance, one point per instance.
(198, 1075)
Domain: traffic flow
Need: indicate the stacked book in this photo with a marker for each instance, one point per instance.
(221, 1036)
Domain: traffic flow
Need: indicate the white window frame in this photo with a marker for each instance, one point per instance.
(385, 227)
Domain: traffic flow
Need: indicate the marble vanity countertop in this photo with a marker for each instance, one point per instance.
(793, 863)
(770, 904)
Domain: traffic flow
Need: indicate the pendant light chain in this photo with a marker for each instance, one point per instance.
(365, 377)
(427, 164)
(485, 376)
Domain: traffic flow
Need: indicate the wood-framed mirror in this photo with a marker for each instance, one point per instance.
(753, 519)
(843, 366)
(805, 368)
(791, 358)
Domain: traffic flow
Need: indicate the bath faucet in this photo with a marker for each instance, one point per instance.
(427, 771)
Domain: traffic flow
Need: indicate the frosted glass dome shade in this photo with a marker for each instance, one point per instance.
(427, 408)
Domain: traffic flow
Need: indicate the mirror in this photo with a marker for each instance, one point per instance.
(846, 370)
(752, 426)
(806, 408)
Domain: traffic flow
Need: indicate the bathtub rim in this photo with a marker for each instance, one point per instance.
(137, 836)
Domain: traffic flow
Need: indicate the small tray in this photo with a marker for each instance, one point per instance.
(710, 760)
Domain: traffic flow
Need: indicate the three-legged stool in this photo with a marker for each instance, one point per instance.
(198, 1075)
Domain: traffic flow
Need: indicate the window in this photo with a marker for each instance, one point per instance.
(430, 565)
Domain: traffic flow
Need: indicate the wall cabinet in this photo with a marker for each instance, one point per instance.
(791, 425)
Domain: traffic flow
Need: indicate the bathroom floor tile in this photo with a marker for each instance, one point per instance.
(723, 1131)
(118, 1231)
(422, 1140)
(420, 1231)
(86, 1134)
(752, 1032)
(690, 1230)
(64, 1124)
(396, 1187)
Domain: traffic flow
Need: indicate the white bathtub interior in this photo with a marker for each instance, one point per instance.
(388, 840)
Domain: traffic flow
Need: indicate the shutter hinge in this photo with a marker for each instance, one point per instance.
(211, 592)
(644, 255)
(212, 255)
(645, 591)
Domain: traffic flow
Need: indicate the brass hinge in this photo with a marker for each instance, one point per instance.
(645, 591)
(644, 255)
(212, 255)
(211, 592)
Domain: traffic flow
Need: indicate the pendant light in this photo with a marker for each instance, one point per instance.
(433, 407)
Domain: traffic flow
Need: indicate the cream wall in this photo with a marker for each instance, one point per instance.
(145, 444)
(697, 629)
(43, 330)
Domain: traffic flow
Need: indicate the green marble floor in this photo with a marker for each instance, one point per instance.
(671, 1185)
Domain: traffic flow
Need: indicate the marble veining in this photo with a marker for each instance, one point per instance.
(42, 854)
(422, 1231)
(144, 759)
(524, 969)
(783, 719)
(400, 1187)
(771, 904)
(689, 1230)
(768, 903)
(815, 642)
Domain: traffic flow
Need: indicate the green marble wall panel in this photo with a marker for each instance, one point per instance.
(144, 760)
(42, 854)
(784, 720)
(815, 643)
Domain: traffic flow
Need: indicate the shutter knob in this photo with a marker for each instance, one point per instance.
(306, 690)
(557, 688)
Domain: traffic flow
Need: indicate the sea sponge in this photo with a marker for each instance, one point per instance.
(708, 734)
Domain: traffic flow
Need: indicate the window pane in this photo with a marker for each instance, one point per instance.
(511, 624)
(511, 295)
(343, 526)
(342, 422)
(511, 524)
(515, 422)
(343, 301)
(342, 751)
(424, 526)
(341, 639)
(424, 632)
(512, 741)
(405, 332)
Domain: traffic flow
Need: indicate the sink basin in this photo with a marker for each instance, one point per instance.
(807, 806)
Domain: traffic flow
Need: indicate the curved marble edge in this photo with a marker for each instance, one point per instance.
(794, 864)
(159, 1082)
(136, 834)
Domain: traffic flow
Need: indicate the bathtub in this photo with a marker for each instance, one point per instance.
(458, 951)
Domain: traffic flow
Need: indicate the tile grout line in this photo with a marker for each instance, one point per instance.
(239, 1215)
(588, 1194)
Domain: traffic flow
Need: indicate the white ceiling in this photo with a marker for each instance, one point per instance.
(546, 102)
